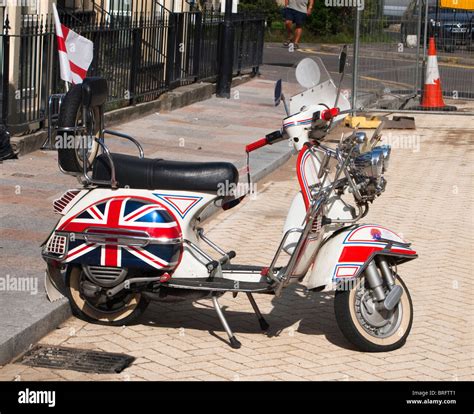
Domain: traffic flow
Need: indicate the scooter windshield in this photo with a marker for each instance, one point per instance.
(311, 74)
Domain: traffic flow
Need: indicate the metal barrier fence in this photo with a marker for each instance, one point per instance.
(392, 54)
(141, 54)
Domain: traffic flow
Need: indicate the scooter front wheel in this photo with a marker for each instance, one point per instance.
(368, 327)
(119, 310)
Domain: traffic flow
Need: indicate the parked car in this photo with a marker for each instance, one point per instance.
(450, 27)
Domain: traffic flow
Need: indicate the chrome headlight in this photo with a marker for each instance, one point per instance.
(385, 151)
(373, 163)
(370, 164)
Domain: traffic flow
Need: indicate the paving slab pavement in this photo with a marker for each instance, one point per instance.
(212, 130)
(428, 200)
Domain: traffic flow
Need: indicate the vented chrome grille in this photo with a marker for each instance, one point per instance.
(62, 202)
(56, 246)
(105, 276)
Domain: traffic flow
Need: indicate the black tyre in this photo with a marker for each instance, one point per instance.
(357, 328)
(70, 115)
(120, 310)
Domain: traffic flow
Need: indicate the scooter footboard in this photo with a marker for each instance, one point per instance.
(346, 254)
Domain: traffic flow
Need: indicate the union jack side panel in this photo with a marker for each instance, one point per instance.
(128, 232)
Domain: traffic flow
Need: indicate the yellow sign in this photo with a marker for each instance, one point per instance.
(458, 4)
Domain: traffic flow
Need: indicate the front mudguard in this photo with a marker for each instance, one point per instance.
(345, 254)
(54, 281)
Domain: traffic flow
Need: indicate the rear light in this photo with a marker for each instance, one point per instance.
(60, 204)
(57, 245)
(328, 114)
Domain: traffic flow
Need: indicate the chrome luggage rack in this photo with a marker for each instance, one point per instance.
(55, 103)
(83, 175)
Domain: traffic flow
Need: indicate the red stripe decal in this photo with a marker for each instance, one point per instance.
(111, 255)
(93, 210)
(299, 168)
(361, 253)
(357, 253)
(79, 250)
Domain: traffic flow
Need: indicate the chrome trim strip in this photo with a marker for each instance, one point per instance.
(136, 238)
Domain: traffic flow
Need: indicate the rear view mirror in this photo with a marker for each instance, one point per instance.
(278, 92)
(342, 59)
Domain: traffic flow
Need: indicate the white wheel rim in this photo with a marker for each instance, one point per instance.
(74, 280)
(403, 323)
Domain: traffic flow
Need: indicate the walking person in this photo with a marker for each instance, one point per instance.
(295, 12)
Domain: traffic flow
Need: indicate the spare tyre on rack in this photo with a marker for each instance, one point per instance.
(79, 123)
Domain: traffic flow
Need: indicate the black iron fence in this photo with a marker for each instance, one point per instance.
(141, 54)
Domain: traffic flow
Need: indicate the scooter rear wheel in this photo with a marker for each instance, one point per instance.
(118, 311)
(369, 329)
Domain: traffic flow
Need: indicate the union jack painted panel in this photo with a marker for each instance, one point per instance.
(117, 219)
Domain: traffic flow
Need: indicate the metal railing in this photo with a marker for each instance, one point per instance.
(392, 54)
(141, 53)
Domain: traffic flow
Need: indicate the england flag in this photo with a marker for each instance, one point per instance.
(75, 52)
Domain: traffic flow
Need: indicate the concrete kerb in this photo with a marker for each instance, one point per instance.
(169, 101)
(23, 339)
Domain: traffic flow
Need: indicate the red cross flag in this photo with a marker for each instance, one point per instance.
(75, 52)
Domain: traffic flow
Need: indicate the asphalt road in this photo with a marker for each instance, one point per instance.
(379, 68)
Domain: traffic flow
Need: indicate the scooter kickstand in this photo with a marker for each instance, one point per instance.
(261, 320)
(234, 342)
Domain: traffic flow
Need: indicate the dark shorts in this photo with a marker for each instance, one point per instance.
(295, 16)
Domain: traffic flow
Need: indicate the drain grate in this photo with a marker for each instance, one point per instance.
(82, 360)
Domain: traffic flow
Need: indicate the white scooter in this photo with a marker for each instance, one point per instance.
(131, 234)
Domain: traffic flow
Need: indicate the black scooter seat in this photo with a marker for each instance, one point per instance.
(152, 174)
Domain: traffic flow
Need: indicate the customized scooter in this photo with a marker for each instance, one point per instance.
(131, 233)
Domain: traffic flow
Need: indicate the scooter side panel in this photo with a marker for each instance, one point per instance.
(164, 215)
(343, 256)
(184, 205)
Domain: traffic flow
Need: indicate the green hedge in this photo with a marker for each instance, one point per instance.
(324, 23)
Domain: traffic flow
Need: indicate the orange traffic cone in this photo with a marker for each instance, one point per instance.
(432, 92)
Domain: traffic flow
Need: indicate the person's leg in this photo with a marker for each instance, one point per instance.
(298, 33)
(289, 29)
(299, 20)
